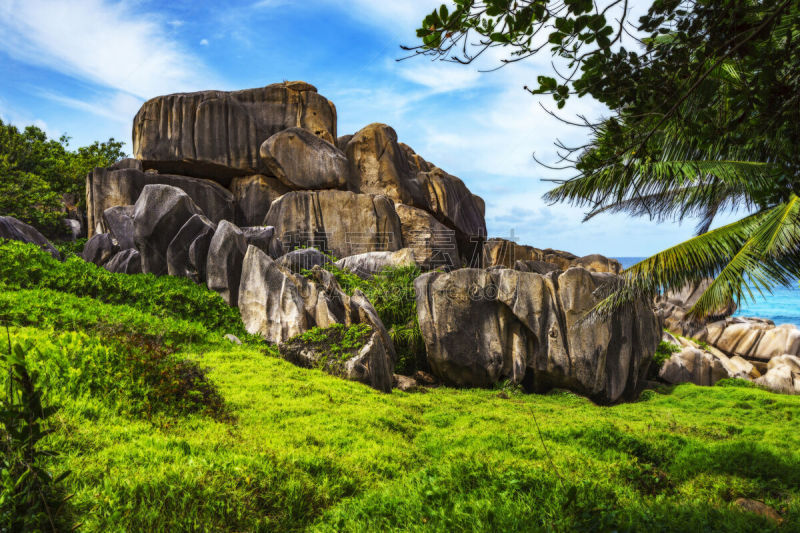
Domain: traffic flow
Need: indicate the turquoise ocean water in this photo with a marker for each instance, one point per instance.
(782, 306)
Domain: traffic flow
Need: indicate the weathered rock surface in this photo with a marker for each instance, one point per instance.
(109, 188)
(99, 249)
(433, 243)
(74, 228)
(301, 160)
(188, 251)
(377, 165)
(751, 338)
(368, 264)
(502, 252)
(781, 378)
(303, 259)
(404, 383)
(159, 213)
(598, 263)
(451, 202)
(483, 326)
(342, 140)
(339, 222)
(125, 262)
(539, 267)
(253, 195)
(672, 308)
(15, 230)
(693, 365)
(264, 237)
(217, 134)
(224, 264)
(118, 220)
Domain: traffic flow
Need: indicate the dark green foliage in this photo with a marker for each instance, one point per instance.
(334, 346)
(664, 351)
(136, 374)
(30, 497)
(392, 293)
(38, 174)
(70, 247)
(46, 308)
(24, 266)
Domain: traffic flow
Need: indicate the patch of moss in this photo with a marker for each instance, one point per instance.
(326, 348)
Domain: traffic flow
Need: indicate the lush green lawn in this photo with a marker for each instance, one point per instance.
(296, 449)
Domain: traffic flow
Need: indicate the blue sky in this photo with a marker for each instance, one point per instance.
(83, 67)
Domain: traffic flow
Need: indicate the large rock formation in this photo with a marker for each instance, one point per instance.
(502, 252)
(483, 326)
(125, 262)
(368, 264)
(99, 249)
(253, 196)
(224, 264)
(673, 307)
(108, 188)
(217, 134)
(433, 243)
(340, 222)
(188, 250)
(301, 160)
(15, 230)
(751, 338)
(118, 221)
(378, 165)
(158, 215)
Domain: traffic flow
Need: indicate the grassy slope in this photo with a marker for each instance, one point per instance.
(310, 451)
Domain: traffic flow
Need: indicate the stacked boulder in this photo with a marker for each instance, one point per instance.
(245, 190)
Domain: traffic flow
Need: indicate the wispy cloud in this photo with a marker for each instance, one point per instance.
(117, 106)
(111, 44)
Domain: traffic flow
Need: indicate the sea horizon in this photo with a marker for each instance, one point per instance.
(782, 306)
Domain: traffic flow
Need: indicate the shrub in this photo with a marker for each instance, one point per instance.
(24, 266)
(45, 308)
(135, 373)
(30, 499)
(392, 293)
(331, 347)
(663, 352)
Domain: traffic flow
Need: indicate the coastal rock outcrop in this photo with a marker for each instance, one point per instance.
(752, 338)
(368, 264)
(481, 326)
(159, 213)
(99, 249)
(125, 262)
(340, 222)
(188, 250)
(253, 195)
(502, 252)
(15, 230)
(217, 134)
(109, 188)
(119, 222)
(224, 264)
(301, 160)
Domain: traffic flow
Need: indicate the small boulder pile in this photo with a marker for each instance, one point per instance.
(725, 347)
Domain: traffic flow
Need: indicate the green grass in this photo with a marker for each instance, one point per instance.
(307, 450)
(298, 449)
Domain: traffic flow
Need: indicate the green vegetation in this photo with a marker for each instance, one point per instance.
(391, 292)
(30, 499)
(163, 429)
(334, 345)
(24, 266)
(43, 179)
(664, 351)
(705, 119)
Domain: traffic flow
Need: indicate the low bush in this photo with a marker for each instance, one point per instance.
(333, 346)
(392, 293)
(26, 266)
(135, 373)
(45, 308)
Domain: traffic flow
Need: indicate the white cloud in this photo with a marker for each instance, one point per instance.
(118, 106)
(204, 42)
(113, 45)
(438, 76)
